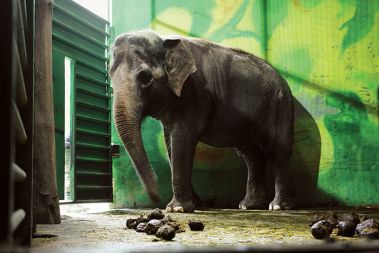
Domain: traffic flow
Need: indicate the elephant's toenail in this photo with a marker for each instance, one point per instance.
(179, 209)
(276, 207)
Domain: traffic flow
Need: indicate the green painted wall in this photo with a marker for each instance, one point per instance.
(329, 53)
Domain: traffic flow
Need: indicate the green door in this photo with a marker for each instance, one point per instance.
(82, 36)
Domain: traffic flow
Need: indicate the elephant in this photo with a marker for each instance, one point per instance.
(202, 91)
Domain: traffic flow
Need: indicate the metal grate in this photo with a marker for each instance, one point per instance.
(17, 103)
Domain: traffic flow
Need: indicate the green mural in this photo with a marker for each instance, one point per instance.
(279, 13)
(360, 24)
(355, 142)
(328, 53)
(230, 29)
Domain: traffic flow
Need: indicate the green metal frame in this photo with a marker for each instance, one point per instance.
(59, 111)
(83, 37)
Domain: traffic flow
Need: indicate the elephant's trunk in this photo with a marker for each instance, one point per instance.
(128, 118)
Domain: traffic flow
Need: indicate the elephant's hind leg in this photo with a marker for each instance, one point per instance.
(284, 191)
(278, 152)
(255, 197)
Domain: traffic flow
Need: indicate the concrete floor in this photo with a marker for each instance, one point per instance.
(85, 227)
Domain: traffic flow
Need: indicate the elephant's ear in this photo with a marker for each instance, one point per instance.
(179, 63)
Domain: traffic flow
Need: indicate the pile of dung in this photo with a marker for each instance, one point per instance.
(347, 225)
(160, 225)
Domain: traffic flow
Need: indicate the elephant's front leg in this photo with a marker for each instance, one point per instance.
(183, 143)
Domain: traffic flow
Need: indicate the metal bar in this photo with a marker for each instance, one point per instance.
(88, 159)
(19, 174)
(21, 136)
(23, 234)
(25, 14)
(22, 98)
(93, 93)
(93, 173)
(90, 79)
(76, 32)
(87, 145)
(73, 16)
(100, 70)
(97, 107)
(93, 187)
(16, 219)
(7, 44)
(80, 48)
(102, 121)
(86, 131)
(21, 34)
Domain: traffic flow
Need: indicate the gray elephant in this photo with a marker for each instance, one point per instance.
(202, 91)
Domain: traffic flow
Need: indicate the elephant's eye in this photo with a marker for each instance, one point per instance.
(145, 78)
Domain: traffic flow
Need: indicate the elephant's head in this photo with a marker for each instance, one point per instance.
(147, 72)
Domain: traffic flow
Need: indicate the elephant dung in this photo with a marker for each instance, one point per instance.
(368, 228)
(166, 219)
(169, 221)
(141, 227)
(153, 226)
(346, 228)
(321, 229)
(133, 223)
(331, 217)
(196, 225)
(157, 214)
(353, 217)
(166, 232)
(130, 223)
(363, 218)
(175, 226)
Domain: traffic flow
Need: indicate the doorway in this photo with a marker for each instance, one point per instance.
(82, 100)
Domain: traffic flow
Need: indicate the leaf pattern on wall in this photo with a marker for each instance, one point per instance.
(196, 8)
(360, 24)
(229, 30)
(279, 11)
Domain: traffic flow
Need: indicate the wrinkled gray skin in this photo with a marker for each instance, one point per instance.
(202, 91)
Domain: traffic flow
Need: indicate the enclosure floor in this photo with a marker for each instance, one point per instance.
(223, 228)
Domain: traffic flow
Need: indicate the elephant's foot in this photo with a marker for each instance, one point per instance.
(282, 203)
(182, 206)
(253, 203)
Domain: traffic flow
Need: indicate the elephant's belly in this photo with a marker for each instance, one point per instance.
(228, 137)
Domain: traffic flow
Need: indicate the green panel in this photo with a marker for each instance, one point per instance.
(86, 17)
(60, 16)
(327, 51)
(82, 36)
(78, 52)
(75, 37)
(91, 97)
(59, 119)
(90, 73)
